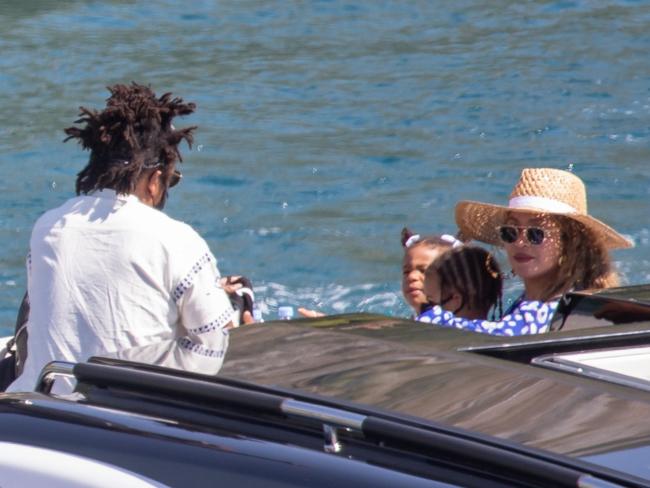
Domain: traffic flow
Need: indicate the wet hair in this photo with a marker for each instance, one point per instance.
(474, 273)
(133, 133)
(584, 262)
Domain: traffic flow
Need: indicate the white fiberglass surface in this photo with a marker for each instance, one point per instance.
(632, 361)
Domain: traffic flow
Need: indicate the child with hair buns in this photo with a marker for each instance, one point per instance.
(419, 253)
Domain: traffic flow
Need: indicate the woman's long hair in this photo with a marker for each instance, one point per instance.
(584, 261)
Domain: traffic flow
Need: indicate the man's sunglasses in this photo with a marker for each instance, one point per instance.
(510, 233)
(175, 178)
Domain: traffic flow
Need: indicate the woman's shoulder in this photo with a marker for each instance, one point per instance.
(532, 311)
(523, 303)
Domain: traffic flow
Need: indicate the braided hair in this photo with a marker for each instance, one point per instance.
(134, 132)
(474, 273)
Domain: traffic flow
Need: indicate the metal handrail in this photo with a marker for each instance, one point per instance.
(437, 442)
(328, 415)
(50, 372)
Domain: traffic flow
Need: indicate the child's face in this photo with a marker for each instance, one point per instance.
(448, 299)
(416, 260)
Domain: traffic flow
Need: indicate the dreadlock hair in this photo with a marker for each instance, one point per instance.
(584, 261)
(134, 132)
(474, 273)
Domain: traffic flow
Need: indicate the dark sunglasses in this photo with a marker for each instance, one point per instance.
(510, 233)
(175, 178)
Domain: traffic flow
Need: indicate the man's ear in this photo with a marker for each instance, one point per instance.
(154, 184)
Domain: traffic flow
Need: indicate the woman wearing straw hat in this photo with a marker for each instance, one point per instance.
(552, 244)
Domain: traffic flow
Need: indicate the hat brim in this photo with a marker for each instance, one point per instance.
(479, 221)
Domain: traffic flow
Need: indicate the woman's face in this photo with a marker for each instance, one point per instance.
(530, 261)
(416, 260)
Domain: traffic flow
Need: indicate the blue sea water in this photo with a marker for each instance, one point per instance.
(325, 126)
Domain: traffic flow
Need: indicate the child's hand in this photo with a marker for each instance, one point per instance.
(305, 312)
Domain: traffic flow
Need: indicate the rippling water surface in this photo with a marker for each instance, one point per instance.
(326, 126)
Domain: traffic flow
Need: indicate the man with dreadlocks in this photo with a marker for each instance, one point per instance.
(109, 274)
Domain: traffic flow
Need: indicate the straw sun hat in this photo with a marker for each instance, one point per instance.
(539, 190)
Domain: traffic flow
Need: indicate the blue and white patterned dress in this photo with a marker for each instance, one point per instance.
(524, 317)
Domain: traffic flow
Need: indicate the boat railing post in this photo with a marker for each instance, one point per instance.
(50, 372)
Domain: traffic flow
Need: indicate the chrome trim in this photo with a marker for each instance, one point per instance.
(49, 373)
(583, 340)
(558, 363)
(332, 444)
(326, 415)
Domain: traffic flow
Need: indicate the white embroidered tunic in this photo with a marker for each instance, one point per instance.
(110, 276)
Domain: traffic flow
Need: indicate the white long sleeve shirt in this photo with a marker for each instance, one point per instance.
(110, 276)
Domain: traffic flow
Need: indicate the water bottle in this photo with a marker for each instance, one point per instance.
(285, 313)
(257, 315)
